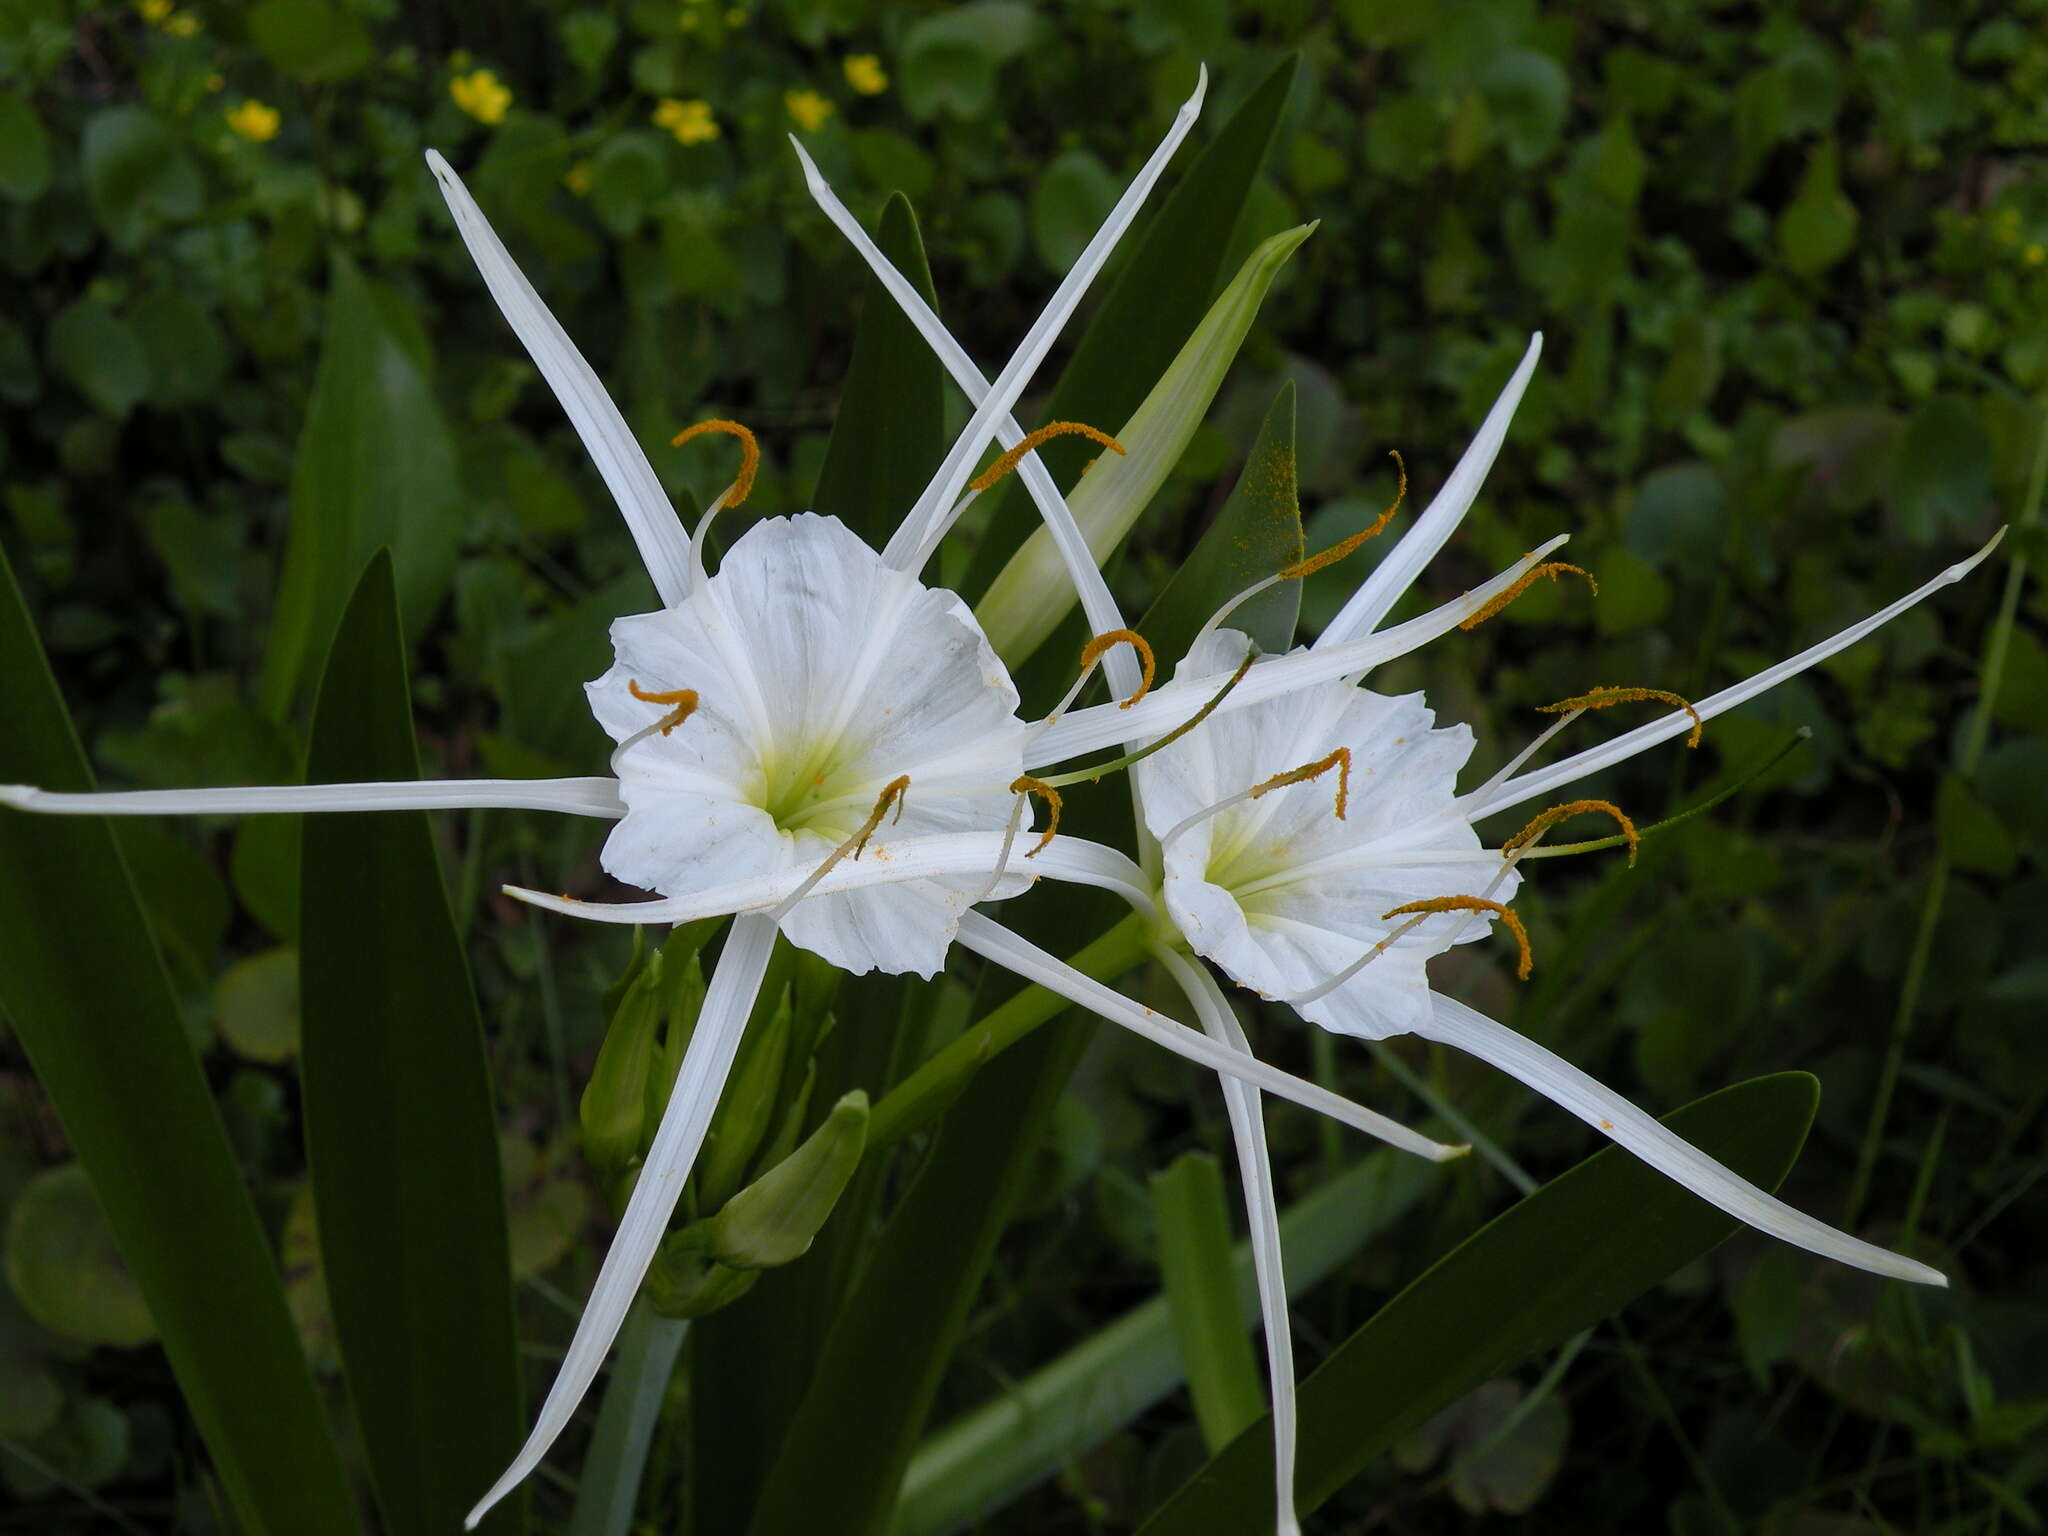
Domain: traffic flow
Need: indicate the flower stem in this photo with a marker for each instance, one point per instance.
(923, 1096)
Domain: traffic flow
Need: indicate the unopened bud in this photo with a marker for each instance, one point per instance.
(773, 1220)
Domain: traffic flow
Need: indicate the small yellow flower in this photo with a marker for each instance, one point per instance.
(254, 121)
(182, 24)
(577, 180)
(153, 11)
(481, 94)
(216, 83)
(865, 74)
(690, 121)
(2036, 253)
(808, 108)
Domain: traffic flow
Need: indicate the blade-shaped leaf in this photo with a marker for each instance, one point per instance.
(400, 1133)
(1257, 533)
(889, 434)
(1572, 1253)
(375, 469)
(1193, 1226)
(84, 990)
(1158, 299)
(1026, 602)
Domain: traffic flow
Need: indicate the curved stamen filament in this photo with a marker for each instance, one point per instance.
(1603, 696)
(1500, 600)
(1093, 652)
(1014, 456)
(1339, 760)
(1544, 821)
(1302, 569)
(750, 455)
(684, 700)
(892, 794)
(1506, 914)
(1027, 786)
(1116, 764)
(1009, 842)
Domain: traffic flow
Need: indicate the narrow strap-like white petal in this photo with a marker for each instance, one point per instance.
(1096, 600)
(939, 855)
(1377, 594)
(574, 797)
(1545, 781)
(720, 1022)
(1452, 1023)
(1082, 731)
(920, 532)
(664, 547)
(1262, 1220)
(990, 939)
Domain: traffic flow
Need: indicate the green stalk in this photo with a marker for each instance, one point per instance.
(923, 1096)
(1990, 675)
(613, 1466)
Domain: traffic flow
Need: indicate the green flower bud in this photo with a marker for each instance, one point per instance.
(773, 1220)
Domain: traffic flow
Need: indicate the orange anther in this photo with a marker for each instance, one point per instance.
(1601, 697)
(1095, 649)
(1551, 568)
(1339, 760)
(1027, 785)
(1011, 458)
(750, 454)
(684, 700)
(892, 792)
(1344, 547)
(1545, 820)
(1476, 904)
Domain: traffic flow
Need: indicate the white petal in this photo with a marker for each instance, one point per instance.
(1262, 1220)
(721, 1020)
(1096, 601)
(1609, 1113)
(664, 547)
(1376, 596)
(990, 939)
(920, 532)
(574, 797)
(1544, 781)
(1090, 730)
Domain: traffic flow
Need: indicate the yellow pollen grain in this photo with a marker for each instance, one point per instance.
(1545, 820)
(1339, 760)
(1551, 568)
(1603, 696)
(1095, 649)
(750, 454)
(1507, 915)
(684, 700)
(1011, 458)
(892, 793)
(1027, 785)
(1345, 547)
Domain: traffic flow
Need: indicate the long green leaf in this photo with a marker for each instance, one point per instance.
(1257, 533)
(608, 1488)
(375, 469)
(1576, 1251)
(1193, 1227)
(1030, 596)
(400, 1132)
(82, 984)
(1067, 1407)
(1160, 297)
(890, 431)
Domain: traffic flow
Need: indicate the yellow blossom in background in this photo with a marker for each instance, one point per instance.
(182, 24)
(865, 74)
(481, 94)
(735, 17)
(808, 108)
(254, 121)
(690, 121)
(153, 11)
(577, 178)
(2036, 254)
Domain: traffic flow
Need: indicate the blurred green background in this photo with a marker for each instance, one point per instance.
(1791, 263)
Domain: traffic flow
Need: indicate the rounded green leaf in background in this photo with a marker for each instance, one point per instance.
(1526, 94)
(98, 352)
(1070, 201)
(135, 170)
(310, 41)
(62, 1262)
(24, 149)
(256, 1004)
